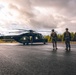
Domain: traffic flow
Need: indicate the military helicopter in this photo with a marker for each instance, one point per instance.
(28, 36)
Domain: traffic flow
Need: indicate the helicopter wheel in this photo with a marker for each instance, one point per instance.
(23, 43)
(44, 42)
(27, 43)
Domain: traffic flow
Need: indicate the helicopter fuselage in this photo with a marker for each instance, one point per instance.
(28, 37)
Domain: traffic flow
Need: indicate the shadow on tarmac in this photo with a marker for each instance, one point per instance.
(32, 45)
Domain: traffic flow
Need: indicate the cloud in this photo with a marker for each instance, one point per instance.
(40, 14)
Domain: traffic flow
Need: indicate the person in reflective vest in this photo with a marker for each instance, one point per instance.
(54, 39)
(67, 38)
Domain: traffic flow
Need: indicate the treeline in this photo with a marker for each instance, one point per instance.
(61, 37)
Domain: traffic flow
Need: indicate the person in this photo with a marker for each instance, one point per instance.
(54, 39)
(67, 39)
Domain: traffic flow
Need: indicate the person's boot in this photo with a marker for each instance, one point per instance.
(66, 49)
(53, 49)
(69, 49)
(56, 48)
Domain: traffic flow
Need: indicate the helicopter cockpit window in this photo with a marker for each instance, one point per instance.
(36, 37)
(40, 36)
(24, 38)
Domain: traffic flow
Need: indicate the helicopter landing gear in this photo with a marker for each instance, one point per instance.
(26, 43)
(44, 42)
(23, 43)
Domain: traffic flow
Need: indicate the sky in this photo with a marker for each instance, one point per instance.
(40, 15)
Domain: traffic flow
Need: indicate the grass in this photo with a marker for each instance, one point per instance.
(5, 41)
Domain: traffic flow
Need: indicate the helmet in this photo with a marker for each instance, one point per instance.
(66, 28)
(53, 30)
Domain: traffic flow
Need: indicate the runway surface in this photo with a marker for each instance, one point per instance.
(36, 59)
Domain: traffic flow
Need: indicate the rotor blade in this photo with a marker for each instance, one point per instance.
(43, 31)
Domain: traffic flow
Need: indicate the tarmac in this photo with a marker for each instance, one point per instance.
(37, 59)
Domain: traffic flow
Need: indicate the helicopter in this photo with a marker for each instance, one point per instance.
(27, 36)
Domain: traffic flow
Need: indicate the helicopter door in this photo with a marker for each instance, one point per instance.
(36, 39)
(31, 39)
